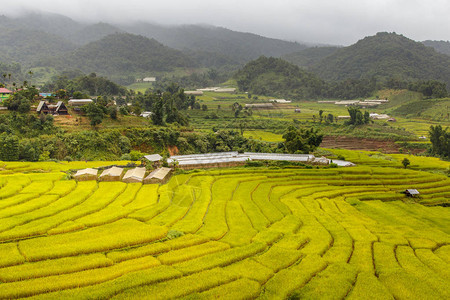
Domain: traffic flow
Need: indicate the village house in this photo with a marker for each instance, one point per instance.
(55, 109)
(193, 93)
(260, 106)
(4, 94)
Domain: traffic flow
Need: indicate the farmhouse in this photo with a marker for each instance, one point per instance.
(80, 102)
(149, 79)
(134, 175)
(225, 90)
(161, 175)
(208, 89)
(260, 106)
(146, 114)
(280, 101)
(4, 94)
(111, 174)
(58, 109)
(86, 174)
(376, 116)
(193, 93)
(42, 108)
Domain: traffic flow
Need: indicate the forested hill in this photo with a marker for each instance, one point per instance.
(210, 45)
(440, 46)
(310, 56)
(25, 46)
(241, 47)
(385, 55)
(121, 54)
(276, 77)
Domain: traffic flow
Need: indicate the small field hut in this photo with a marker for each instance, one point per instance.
(86, 174)
(134, 175)
(161, 175)
(111, 174)
(412, 193)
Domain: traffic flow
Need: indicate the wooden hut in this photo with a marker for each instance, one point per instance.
(42, 108)
(111, 174)
(86, 174)
(412, 193)
(161, 175)
(134, 175)
(61, 108)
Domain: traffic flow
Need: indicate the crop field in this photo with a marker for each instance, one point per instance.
(240, 233)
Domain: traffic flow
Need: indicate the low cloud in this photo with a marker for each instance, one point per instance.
(318, 21)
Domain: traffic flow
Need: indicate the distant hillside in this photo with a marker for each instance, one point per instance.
(119, 55)
(47, 22)
(310, 56)
(385, 55)
(92, 33)
(439, 46)
(240, 47)
(25, 46)
(279, 78)
(211, 46)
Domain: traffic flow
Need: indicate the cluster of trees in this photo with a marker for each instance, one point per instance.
(440, 141)
(83, 85)
(276, 77)
(357, 117)
(300, 140)
(429, 88)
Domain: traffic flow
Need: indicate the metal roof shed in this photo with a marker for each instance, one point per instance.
(161, 175)
(134, 175)
(153, 157)
(412, 192)
(86, 174)
(111, 174)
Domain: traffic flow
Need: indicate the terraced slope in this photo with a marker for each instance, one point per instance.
(237, 234)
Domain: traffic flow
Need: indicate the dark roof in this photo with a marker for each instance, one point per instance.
(60, 105)
(42, 106)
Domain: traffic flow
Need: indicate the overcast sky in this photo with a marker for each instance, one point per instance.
(318, 21)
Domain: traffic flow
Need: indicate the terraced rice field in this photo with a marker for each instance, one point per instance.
(233, 234)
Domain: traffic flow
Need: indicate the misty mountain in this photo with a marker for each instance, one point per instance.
(25, 46)
(47, 22)
(439, 46)
(310, 56)
(92, 33)
(385, 55)
(240, 47)
(119, 55)
(210, 46)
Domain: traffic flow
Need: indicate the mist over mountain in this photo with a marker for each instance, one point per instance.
(385, 55)
(310, 56)
(120, 54)
(439, 46)
(213, 46)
